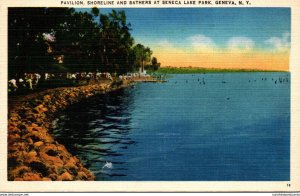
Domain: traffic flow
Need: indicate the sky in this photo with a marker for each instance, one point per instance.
(247, 38)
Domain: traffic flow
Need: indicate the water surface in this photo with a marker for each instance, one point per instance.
(195, 127)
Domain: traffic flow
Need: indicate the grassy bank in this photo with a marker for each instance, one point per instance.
(194, 70)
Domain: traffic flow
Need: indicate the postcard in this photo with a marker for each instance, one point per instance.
(150, 96)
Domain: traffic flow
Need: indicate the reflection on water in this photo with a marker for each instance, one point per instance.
(233, 126)
(96, 130)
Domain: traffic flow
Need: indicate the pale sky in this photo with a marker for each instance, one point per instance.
(251, 38)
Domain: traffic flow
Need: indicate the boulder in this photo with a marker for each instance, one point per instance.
(38, 144)
(33, 153)
(66, 176)
(31, 177)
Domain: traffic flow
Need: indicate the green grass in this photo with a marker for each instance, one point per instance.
(191, 70)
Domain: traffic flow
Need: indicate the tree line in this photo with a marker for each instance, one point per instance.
(62, 39)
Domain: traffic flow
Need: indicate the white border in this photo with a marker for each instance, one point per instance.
(199, 186)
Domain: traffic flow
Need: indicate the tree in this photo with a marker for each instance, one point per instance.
(95, 11)
(143, 55)
(116, 41)
(39, 35)
(155, 65)
(28, 50)
(77, 39)
(24, 45)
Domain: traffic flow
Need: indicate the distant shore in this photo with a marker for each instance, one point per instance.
(193, 70)
(33, 153)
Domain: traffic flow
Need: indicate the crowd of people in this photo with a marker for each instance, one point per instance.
(27, 81)
(30, 81)
(88, 76)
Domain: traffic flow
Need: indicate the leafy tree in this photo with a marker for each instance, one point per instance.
(116, 41)
(37, 35)
(77, 39)
(23, 27)
(27, 48)
(143, 55)
(155, 64)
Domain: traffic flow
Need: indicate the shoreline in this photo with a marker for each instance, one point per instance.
(194, 70)
(33, 153)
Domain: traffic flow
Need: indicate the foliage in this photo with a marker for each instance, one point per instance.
(154, 66)
(39, 37)
(193, 70)
(143, 55)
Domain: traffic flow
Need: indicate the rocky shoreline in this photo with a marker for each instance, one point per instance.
(33, 153)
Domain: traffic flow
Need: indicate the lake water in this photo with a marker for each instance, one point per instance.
(200, 127)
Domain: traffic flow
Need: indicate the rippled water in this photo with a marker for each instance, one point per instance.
(231, 126)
